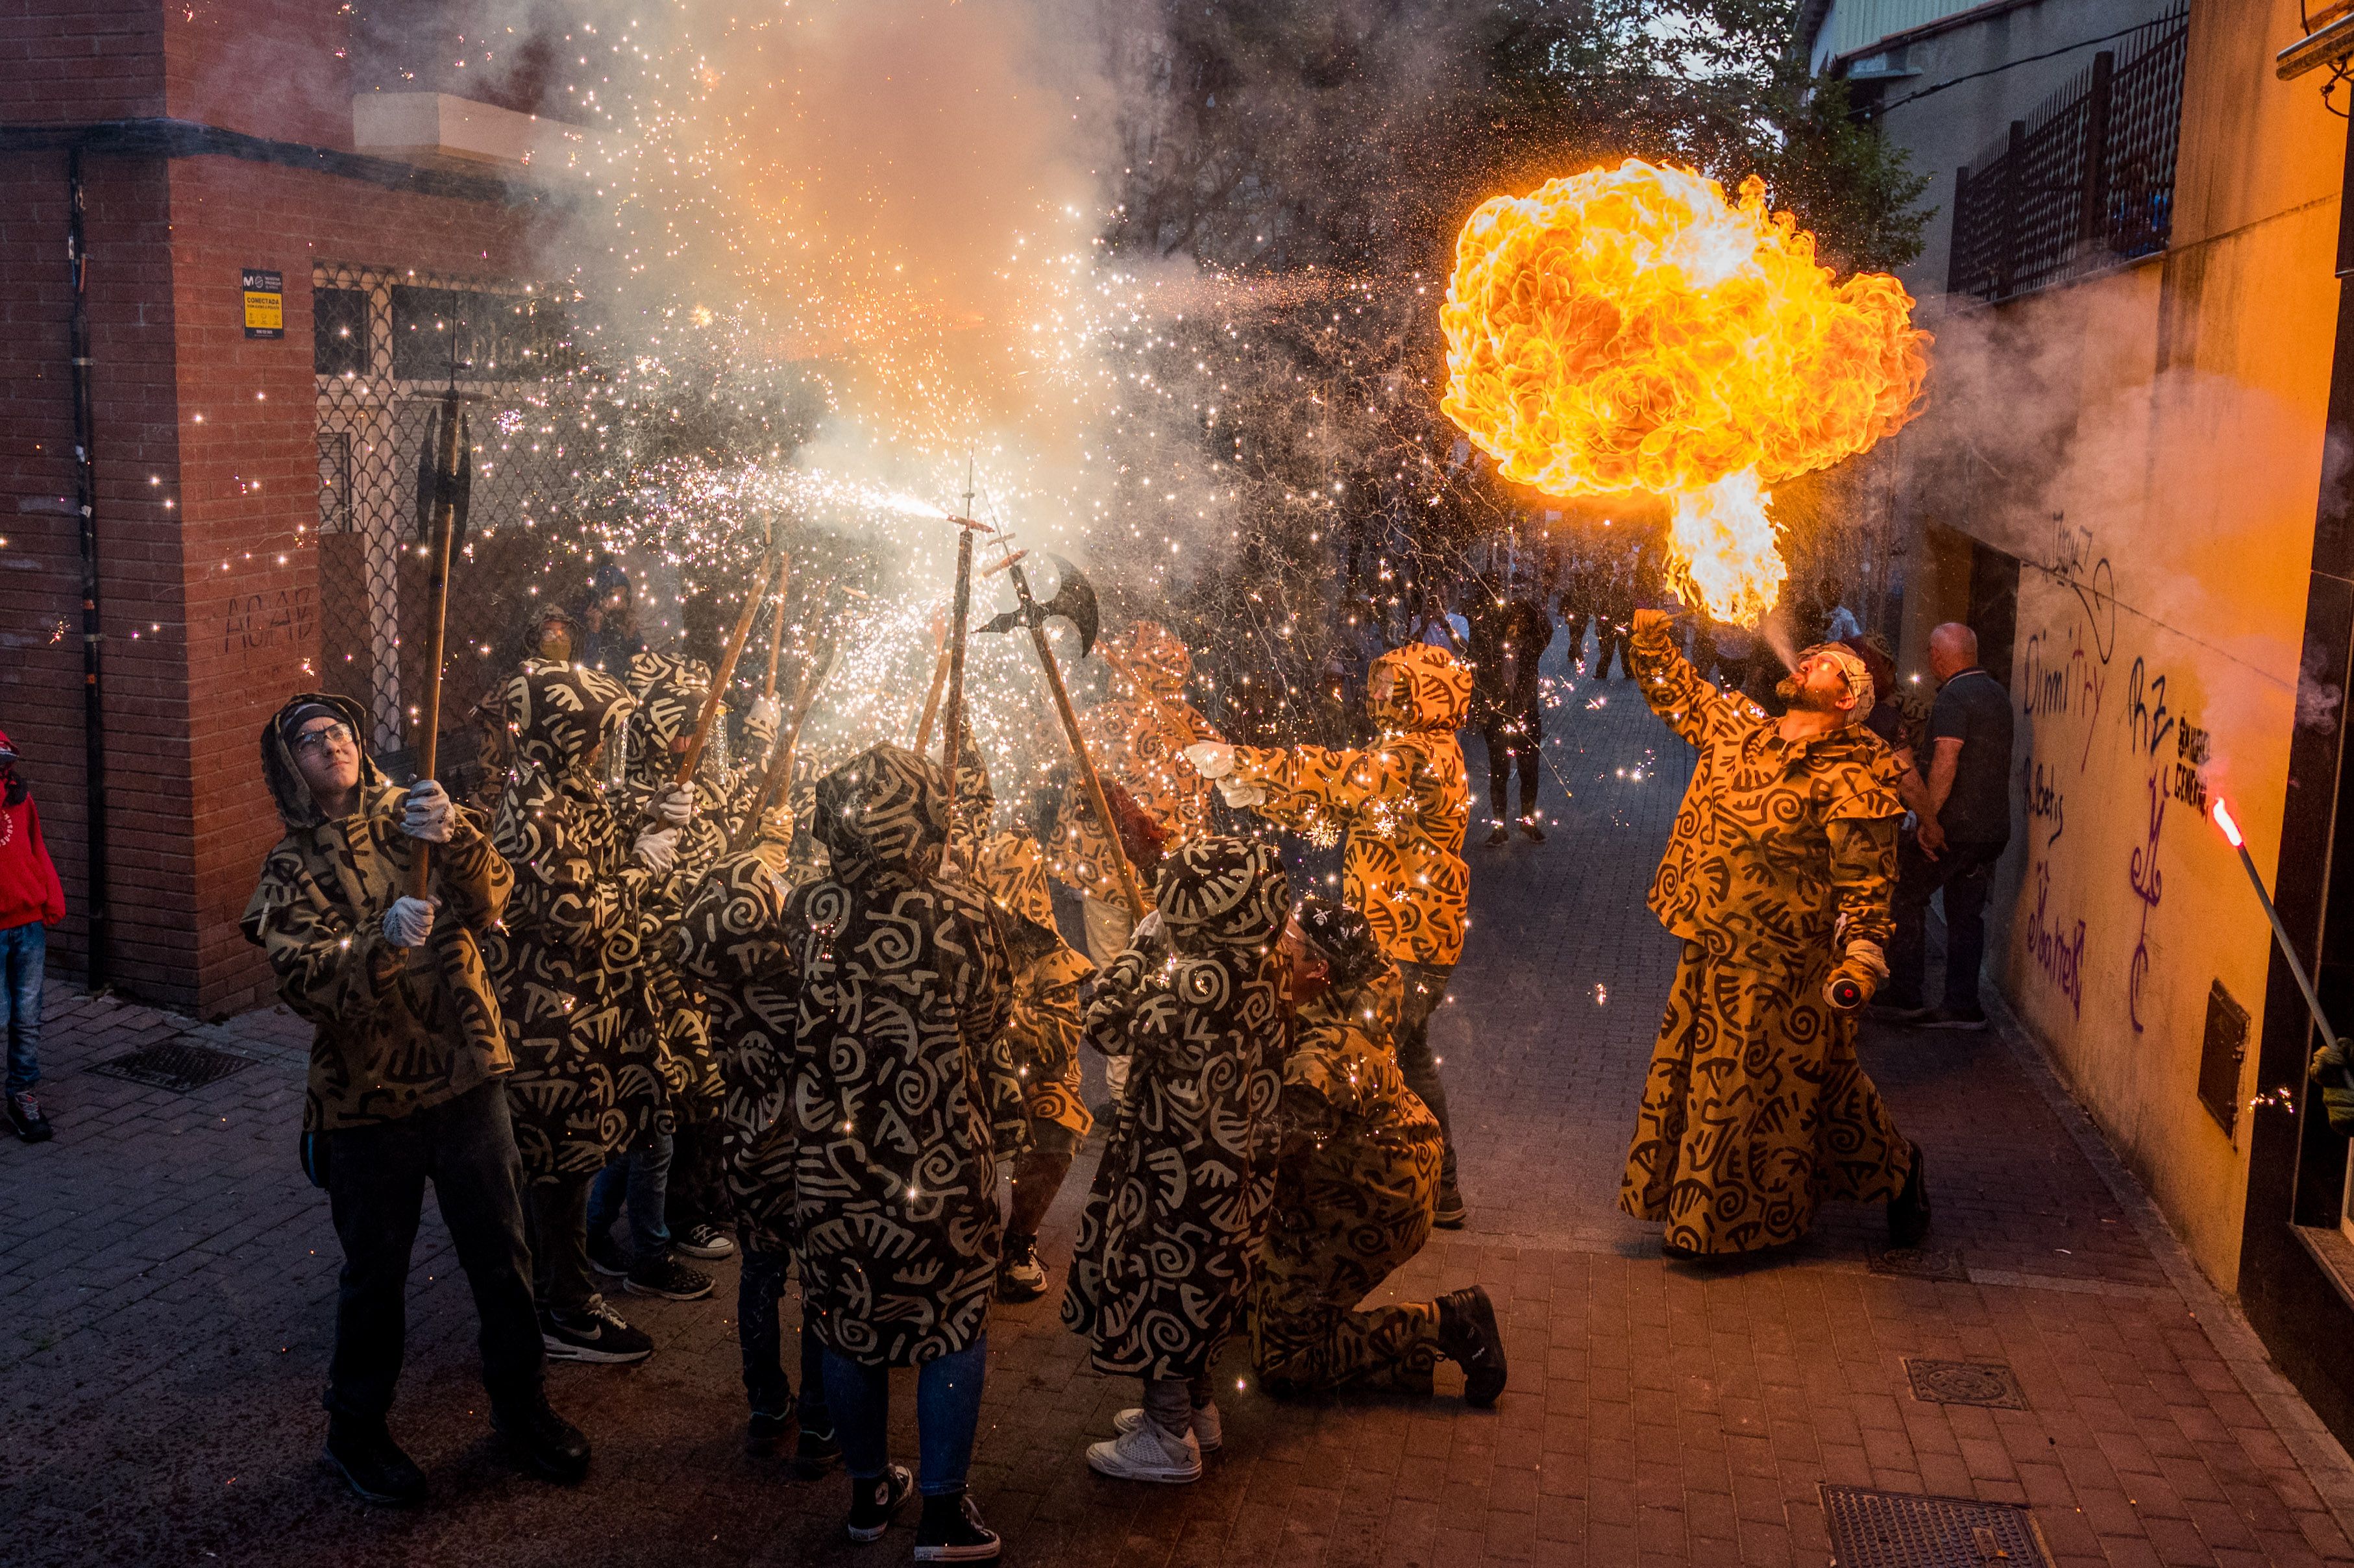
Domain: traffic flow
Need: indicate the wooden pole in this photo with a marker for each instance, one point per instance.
(780, 764)
(719, 682)
(1094, 781)
(952, 722)
(436, 593)
(939, 679)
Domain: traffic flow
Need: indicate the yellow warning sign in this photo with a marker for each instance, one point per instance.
(265, 302)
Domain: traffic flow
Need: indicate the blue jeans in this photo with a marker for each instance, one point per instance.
(948, 1412)
(761, 1335)
(644, 1173)
(24, 952)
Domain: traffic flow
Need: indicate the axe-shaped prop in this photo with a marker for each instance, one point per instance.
(1075, 598)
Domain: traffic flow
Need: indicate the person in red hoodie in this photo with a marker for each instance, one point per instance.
(31, 901)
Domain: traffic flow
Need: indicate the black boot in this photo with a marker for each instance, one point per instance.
(364, 1454)
(951, 1531)
(817, 1453)
(766, 1436)
(1908, 1211)
(548, 1446)
(1468, 1335)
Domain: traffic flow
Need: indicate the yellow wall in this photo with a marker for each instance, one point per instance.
(2149, 444)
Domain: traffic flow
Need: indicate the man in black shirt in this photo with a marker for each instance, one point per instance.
(1965, 811)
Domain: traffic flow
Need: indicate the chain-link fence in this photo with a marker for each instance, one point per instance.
(389, 345)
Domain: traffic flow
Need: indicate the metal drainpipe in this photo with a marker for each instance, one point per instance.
(86, 497)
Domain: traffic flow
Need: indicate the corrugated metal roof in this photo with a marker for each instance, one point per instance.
(1855, 24)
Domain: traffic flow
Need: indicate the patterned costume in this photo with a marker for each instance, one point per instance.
(1044, 1032)
(569, 958)
(1354, 1202)
(1134, 738)
(1783, 853)
(1178, 1211)
(900, 1110)
(1404, 802)
(396, 1034)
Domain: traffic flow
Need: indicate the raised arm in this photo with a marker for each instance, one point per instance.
(1689, 705)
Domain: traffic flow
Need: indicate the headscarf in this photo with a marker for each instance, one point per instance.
(1851, 665)
(884, 812)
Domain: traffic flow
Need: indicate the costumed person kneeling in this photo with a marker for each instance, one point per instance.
(1356, 1188)
(408, 1075)
(1177, 1212)
(1778, 879)
(1404, 803)
(901, 1108)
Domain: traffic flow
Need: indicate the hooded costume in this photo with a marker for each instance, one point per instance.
(1404, 802)
(1135, 737)
(900, 1108)
(397, 1031)
(1781, 867)
(1358, 1186)
(570, 958)
(1178, 1211)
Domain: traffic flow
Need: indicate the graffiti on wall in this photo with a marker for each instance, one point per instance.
(2057, 945)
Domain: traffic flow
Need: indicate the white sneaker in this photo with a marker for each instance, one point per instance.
(1208, 1430)
(1147, 1454)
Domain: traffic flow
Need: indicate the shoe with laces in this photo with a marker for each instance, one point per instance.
(597, 1333)
(372, 1464)
(951, 1531)
(550, 1447)
(1209, 1431)
(1449, 1215)
(705, 1240)
(1146, 1452)
(874, 1500)
(1468, 1337)
(24, 1116)
(606, 1256)
(767, 1437)
(1020, 1275)
(667, 1276)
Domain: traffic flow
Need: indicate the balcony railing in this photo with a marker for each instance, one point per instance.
(2084, 182)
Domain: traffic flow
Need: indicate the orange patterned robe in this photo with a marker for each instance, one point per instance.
(1135, 739)
(1755, 1110)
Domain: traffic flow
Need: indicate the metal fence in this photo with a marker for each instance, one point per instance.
(2085, 181)
(387, 346)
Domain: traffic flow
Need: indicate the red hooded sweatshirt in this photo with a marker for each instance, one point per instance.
(30, 889)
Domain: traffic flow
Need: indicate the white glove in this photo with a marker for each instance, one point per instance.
(658, 851)
(410, 921)
(675, 806)
(1146, 930)
(765, 713)
(1210, 758)
(1239, 793)
(426, 813)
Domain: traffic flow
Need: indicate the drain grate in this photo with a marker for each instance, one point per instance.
(1906, 1530)
(176, 1064)
(1921, 1262)
(1990, 1383)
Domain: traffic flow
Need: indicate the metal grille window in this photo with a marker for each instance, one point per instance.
(384, 357)
(2084, 182)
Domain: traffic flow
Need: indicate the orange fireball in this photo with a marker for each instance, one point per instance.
(1633, 329)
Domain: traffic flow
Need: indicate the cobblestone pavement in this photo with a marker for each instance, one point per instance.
(165, 1277)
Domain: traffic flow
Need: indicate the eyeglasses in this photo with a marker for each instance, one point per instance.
(332, 736)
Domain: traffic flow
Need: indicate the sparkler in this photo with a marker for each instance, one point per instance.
(2238, 841)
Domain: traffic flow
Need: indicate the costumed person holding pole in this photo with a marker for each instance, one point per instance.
(1178, 1211)
(1357, 1188)
(1778, 879)
(570, 961)
(1405, 802)
(409, 1076)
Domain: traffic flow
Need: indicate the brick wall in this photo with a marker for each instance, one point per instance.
(268, 68)
(68, 61)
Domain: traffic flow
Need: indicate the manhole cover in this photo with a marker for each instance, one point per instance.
(1905, 1530)
(176, 1064)
(1921, 1262)
(1965, 1383)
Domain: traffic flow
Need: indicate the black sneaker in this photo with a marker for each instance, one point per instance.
(767, 1437)
(1468, 1337)
(550, 1447)
(597, 1334)
(1498, 836)
(705, 1240)
(817, 1453)
(1946, 1018)
(606, 1256)
(873, 1501)
(1528, 829)
(951, 1531)
(1450, 1215)
(1908, 1211)
(367, 1458)
(668, 1277)
(24, 1116)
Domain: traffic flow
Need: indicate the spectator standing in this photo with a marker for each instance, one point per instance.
(1965, 824)
(1614, 607)
(31, 901)
(1510, 630)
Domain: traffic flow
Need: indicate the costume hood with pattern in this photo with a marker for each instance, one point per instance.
(883, 813)
(1153, 659)
(558, 715)
(296, 809)
(1432, 690)
(1222, 893)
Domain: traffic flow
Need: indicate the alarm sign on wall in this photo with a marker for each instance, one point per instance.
(265, 304)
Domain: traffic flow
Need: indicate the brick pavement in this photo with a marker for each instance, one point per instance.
(165, 1277)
